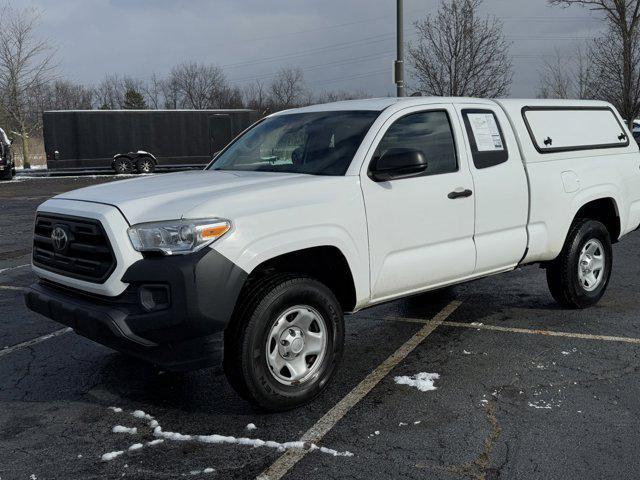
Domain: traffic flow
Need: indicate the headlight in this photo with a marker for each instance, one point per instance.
(178, 236)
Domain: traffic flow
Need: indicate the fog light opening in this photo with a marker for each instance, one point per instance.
(154, 297)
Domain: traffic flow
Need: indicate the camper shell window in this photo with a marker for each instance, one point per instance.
(566, 129)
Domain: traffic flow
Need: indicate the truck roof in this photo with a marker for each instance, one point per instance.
(379, 104)
(220, 110)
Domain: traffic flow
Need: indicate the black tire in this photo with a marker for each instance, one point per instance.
(563, 275)
(145, 165)
(6, 174)
(245, 357)
(122, 165)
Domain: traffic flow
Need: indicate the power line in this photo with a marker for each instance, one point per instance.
(336, 46)
(345, 61)
(355, 77)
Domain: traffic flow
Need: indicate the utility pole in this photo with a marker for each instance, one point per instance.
(399, 63)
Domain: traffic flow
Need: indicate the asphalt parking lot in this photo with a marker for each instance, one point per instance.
(526, 390)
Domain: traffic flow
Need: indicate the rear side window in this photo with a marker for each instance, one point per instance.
(486, 138)
(565, 129)
(427, 131)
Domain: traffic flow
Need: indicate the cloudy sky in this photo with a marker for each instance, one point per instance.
(340, 44)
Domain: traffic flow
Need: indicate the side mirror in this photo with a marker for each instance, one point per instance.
(398, 163)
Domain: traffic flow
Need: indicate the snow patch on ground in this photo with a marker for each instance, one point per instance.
(140, 414)
(161, 436)
(544, 405)
(249, 442)
(464, 352)
(251, 427)
(122, 429)
(116, 409)
(107, 457)
(198, 472)
(422, 381)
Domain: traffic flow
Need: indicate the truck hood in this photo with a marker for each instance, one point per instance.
(202, 194)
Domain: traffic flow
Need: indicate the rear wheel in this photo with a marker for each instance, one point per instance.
(145, 165)
(122, 165)
(285, 343)
(579, 276)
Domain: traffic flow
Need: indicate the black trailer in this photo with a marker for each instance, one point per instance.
(138, 140)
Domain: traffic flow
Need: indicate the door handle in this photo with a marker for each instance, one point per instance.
(460, 193)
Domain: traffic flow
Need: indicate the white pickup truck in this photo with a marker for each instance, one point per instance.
(326, 210)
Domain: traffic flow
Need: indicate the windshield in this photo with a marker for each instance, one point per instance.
(319, 143)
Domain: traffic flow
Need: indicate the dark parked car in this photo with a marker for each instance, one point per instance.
(7, 167)
(139, 140)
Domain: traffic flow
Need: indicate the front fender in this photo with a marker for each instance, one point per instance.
(252, 254)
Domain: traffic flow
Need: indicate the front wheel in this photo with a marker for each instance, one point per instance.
(579, 276)
(285, 342)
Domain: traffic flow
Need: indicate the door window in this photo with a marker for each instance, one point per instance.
(488, 147)
(427, 131)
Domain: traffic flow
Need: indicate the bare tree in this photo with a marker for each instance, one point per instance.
(256, 97)
(568, 76)
(460, 53)
(231, 97)
(110, 92)
(616, 54)
(152, 91)
(64, 95)
(26, 65)
(199, 86)
(288, 89)
(338, 96)
(170, 93)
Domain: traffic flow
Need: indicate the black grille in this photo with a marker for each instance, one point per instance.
(87, 254)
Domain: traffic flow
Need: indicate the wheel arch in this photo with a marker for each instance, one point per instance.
(139, 155)
(325, 263)
(118, 157)
(606, 211)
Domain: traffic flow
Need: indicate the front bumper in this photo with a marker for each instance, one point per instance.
(186, 333)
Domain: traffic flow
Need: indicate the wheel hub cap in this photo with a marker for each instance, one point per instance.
(296, 345)
(291, 342)
(591, 265)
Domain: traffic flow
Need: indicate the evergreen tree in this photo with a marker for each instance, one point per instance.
(133, 100)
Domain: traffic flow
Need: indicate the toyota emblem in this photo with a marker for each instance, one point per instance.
(60, 239)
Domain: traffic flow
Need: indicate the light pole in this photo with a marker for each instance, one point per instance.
(399, 63)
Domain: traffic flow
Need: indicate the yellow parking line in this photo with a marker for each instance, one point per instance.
(11, 287)
(550, 333)
(29, 343)
(315, 434)
(2, 270)
(497, 328)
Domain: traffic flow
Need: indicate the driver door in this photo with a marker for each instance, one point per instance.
(420, 228)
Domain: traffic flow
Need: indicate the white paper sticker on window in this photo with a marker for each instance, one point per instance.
(485, 131)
